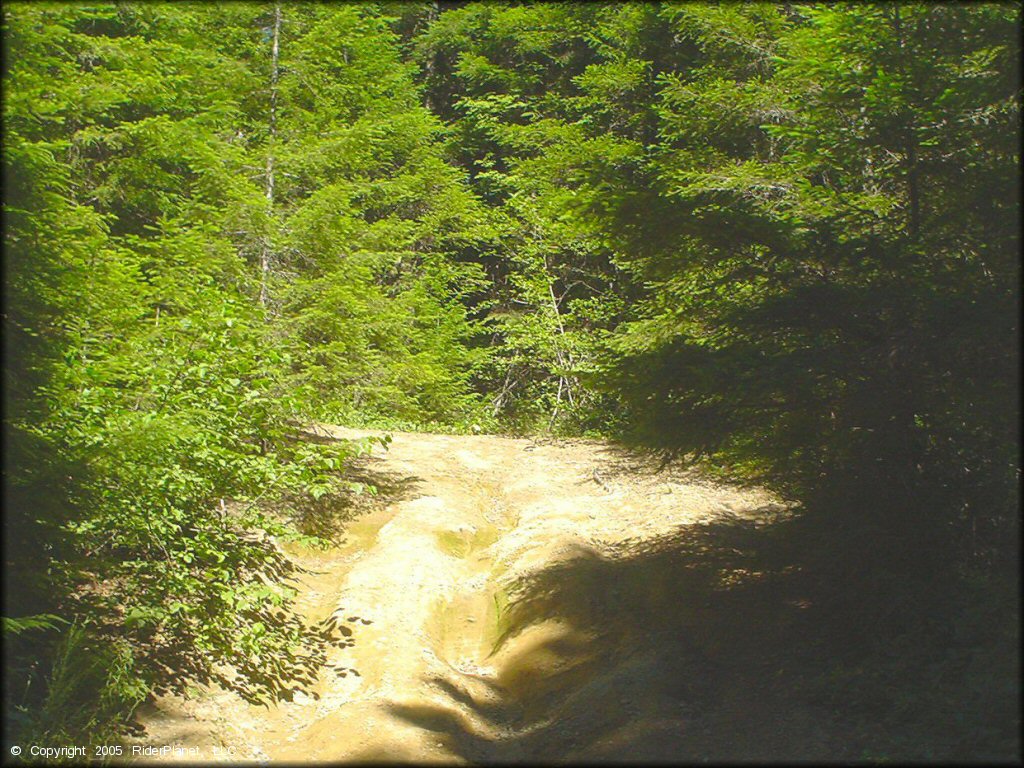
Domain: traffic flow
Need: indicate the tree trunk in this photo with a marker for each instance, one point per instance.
(909, 143)
(266, 249)
(432, 14)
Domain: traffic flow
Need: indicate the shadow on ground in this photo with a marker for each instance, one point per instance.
(328, 516)
(663, 650)
(709, 644)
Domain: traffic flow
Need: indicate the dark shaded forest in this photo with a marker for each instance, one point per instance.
(777, 242)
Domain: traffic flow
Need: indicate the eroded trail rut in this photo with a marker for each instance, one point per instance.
(510, 601)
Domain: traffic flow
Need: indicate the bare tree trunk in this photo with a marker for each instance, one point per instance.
(267, 245)
(506, 387)
(910, 144)
(558, 403)
(563, 356)
(432, 13)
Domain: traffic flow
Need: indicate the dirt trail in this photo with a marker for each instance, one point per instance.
(496, 609)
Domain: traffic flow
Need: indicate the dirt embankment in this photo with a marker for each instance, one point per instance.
(515, 600)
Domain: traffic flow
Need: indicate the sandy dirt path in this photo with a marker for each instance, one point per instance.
(493, 609)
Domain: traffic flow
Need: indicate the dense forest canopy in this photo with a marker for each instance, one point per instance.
(781, 240)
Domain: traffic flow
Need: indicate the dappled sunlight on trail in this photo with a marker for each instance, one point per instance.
(514, 601)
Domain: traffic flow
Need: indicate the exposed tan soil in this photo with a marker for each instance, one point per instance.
(514, 600)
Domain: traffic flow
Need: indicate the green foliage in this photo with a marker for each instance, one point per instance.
(523, 88)
(87, 691)
(26, 623)
(152, 406)
(370, 220)
(782, 239)
(808, 314)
